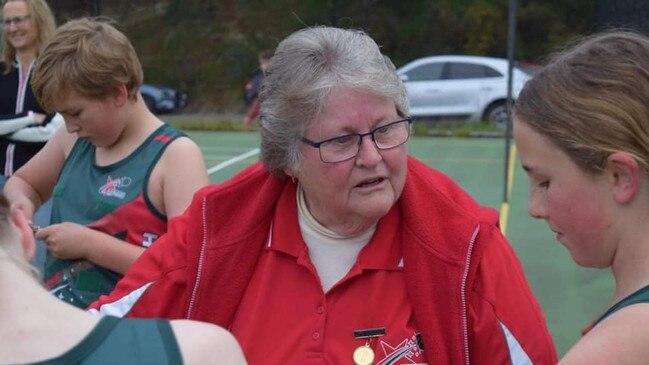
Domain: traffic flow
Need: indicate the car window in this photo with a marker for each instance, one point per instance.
(462, 70)
(428, 71)
(490, 72)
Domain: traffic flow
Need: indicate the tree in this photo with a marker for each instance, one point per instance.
(209, 47)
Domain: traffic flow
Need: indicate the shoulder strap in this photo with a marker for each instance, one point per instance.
(163, 136)
(640, 296)
(88, 345)
(170, 343)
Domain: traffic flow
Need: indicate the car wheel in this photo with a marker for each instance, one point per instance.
(497, 113)
(150, 103)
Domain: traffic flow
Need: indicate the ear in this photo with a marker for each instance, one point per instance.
(25, 232)
(120, 95)
(625, 174)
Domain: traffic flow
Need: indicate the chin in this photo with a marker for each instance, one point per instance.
(589, 262)
(376, 211)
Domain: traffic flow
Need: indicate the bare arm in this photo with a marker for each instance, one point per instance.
(32, 184)
(620, 339)
(204, 343)
(179, 174)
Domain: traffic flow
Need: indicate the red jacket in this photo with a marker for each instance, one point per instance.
(469, 295)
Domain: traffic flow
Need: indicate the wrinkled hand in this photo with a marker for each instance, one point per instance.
(66, 241)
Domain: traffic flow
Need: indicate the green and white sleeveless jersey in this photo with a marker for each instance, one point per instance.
(112, 199)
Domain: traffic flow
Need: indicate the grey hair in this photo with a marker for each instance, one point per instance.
(306, 67)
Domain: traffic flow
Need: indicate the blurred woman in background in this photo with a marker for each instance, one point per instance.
(24, 125)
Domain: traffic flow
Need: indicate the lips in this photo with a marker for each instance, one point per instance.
(370, 182)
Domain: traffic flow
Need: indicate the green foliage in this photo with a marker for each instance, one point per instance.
(544, 26)
(486, 30)
(456, 129)
(211, 125)
(209, 48)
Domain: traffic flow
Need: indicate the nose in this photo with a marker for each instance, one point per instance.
(10, 27)
(536, 204)
(70, 127)
(368, 153)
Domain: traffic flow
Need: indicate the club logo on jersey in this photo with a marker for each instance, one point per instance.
(148, 238)
(410, 349)
(111, 188)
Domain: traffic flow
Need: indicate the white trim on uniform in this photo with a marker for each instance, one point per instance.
(122, 306)
(516, 352)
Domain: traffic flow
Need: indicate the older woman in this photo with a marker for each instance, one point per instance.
(24, 125)
(341, 248)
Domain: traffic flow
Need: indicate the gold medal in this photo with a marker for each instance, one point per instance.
(363, 355)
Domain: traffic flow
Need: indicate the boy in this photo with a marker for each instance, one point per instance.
(116, 173)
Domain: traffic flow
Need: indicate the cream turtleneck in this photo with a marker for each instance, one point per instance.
(332, 255)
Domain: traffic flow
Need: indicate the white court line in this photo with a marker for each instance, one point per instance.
(231, 161)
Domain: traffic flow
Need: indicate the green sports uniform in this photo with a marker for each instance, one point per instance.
(640, 296)
(112, 199)
(124, 341)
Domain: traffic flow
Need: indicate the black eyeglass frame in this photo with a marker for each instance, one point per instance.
(360, 139)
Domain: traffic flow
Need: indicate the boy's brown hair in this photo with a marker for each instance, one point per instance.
(90, 57)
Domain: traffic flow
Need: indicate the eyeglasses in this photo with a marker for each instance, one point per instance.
(343, 148)
(18, 21)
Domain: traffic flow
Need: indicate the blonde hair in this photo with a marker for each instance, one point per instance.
(592, 99)
(43, 20)
(90, 57)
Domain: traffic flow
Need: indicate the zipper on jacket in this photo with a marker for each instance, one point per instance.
(465, 275)
(201, 257)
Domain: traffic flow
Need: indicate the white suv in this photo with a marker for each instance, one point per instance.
(460, 86)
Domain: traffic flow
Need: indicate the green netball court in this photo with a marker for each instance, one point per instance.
(569, 295)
